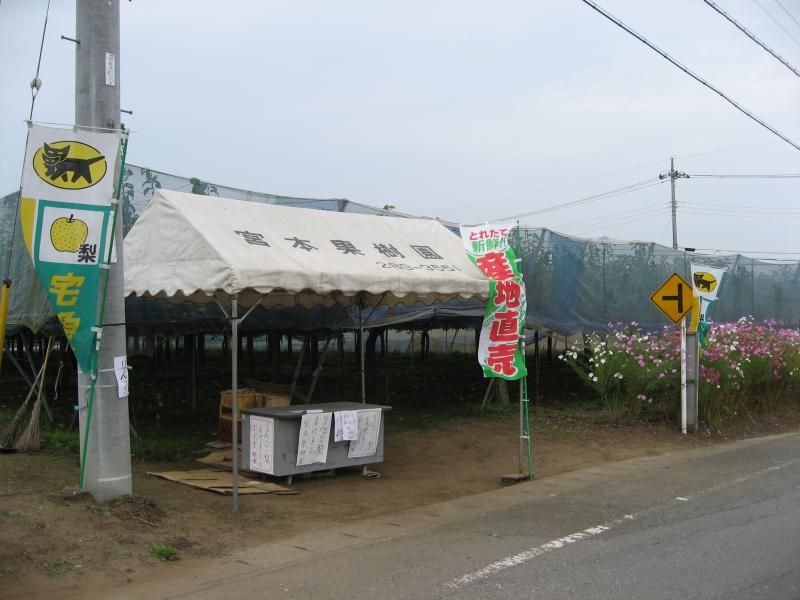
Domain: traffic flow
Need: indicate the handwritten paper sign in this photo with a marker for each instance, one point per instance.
(345, 425)
(121, 371)
(312, 445)
(369, 427)
(262, 444)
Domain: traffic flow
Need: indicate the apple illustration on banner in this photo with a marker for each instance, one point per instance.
(67, 234)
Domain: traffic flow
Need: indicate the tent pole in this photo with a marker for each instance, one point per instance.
(235, 399)
(361, 352)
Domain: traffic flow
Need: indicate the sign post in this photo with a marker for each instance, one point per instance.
(674, 299)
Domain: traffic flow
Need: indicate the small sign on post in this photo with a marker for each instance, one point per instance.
(673, 297)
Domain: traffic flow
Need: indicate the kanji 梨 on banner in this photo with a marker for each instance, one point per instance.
(499, 351)
(65, 208)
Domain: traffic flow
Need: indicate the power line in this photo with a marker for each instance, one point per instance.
(754, 215)
(739, 207)
(749, 176)
(741, 28)
(725, 150)
(686, 70)
(558, 186)
(602, 196)
(646, 217)
(650, 208)
(774, 20)
(746, 251)
(791, 16)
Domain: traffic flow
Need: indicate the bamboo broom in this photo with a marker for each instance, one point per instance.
(9, 435)
(29, 440)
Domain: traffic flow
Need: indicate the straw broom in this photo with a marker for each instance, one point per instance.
(29, 440)
(9, 434)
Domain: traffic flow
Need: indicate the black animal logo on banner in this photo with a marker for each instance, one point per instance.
(59, 164)
(705, 282)
(69, 165)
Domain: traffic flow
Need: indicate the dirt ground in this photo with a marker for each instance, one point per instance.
(47, 543)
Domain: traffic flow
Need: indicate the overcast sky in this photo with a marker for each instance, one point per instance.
(470, 111)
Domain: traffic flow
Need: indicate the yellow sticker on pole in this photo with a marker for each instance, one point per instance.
(674, 297)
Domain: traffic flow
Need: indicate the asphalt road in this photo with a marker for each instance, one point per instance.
(722, 522)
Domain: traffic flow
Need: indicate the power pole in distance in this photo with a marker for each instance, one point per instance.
(108, 456)
(673, 175)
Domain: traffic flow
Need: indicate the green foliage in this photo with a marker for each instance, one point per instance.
(202, 188)
(163, 551)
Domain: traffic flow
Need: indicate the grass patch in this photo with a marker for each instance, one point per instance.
(165, 448)
(58, 567)
(163, 551)
(61, 439)
(154, 449)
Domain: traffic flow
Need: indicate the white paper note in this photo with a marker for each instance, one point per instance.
(262, 444)
(315, 432)
(345, 425)
(121, 371)
(369, 428)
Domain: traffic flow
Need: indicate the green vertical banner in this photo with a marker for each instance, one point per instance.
(499, 351)
(65, 208)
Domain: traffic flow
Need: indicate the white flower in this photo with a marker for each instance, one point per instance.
(602, 361)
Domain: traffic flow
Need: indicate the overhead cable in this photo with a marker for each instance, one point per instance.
(791, 16)
(615, 192)
(774, 20)
(748, 176)
(741, 28)
(691, 74)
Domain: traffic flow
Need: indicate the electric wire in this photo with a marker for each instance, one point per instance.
(791, 16)
(774, 20)
(606, 227)
(602, 196)
(689, 72)
(613, 216)
(748, 176)
(557, 186)
(744, 30)
(738, 206)
(601, 176)
(726, 150)
(34, 93)
(737, 216)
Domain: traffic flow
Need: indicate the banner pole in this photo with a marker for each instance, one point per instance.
(683, 375)
(96, 357)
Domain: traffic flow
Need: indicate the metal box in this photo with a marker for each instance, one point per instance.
(287, 433)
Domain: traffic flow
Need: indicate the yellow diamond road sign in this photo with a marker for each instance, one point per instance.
(674, 297)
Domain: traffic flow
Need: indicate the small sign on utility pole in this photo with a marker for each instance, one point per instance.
(673, 297)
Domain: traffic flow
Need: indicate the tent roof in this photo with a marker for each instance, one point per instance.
(199, 248)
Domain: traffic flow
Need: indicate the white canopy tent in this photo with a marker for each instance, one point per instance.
(201, 249)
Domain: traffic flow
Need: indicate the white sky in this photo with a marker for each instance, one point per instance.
(466, 110)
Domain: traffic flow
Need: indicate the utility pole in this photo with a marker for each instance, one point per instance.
(673, 175)
(97, 104)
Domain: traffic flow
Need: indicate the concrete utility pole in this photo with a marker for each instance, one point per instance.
(108, 458)
(673, 175)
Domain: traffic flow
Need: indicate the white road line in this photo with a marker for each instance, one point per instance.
(523, 557)
(528, 555)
